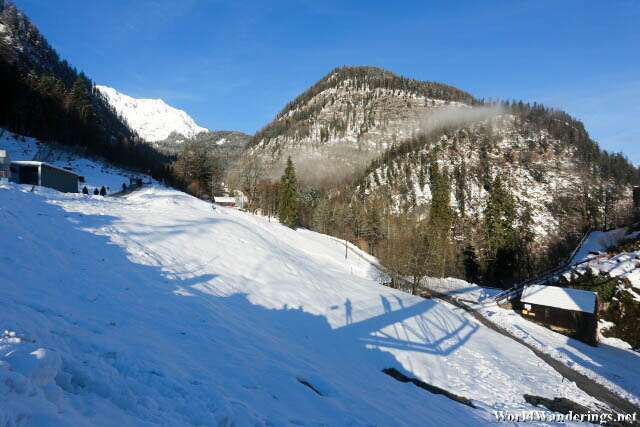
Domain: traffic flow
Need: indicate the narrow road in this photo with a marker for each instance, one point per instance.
(583, 382)
(130, 189)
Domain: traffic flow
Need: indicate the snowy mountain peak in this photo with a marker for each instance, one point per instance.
(153, 119)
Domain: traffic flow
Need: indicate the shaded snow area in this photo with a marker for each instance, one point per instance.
(611, 364)
(153, 119)
(96, 173)
(155, 309)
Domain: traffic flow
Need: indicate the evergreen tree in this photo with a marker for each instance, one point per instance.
(373, 231)
(470, 263)
(461, 178)
(440, 219)
(527, 237)
(79, 99)
(288, 212)
(501, 239)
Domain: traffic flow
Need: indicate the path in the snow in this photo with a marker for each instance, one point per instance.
(130, 189)
(586, 384)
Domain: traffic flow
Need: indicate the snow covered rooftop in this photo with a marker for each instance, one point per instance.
(565, 298)
(35, 163)
(224, 199)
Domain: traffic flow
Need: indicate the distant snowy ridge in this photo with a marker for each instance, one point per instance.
(153, 119)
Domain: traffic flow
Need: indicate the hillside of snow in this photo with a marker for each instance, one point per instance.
(153, 119)
(96, 172)
(158, 309)
(612, 363)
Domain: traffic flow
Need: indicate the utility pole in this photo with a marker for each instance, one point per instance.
(345, 241)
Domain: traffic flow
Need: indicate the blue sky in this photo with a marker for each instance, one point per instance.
(233, 65)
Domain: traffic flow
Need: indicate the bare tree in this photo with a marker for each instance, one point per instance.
(248, 173)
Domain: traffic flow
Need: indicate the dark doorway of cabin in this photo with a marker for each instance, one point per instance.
(29, 175)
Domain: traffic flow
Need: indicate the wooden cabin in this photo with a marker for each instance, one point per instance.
(45, 175)
(225, 201)
(571, 312)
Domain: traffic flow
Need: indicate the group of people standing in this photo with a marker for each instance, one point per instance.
(102, 192)
(133, 183)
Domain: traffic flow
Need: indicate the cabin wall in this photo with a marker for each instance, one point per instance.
(576, 324)
(5, 163)
(59, 180)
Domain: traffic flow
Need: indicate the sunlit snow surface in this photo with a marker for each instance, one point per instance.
(158, 309)
(153, 119)
(611, 364)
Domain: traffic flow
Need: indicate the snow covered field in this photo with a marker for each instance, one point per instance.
(157, 309)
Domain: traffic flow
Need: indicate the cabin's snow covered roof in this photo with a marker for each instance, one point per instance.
(224, 199)
(565, 298)
(36, 163)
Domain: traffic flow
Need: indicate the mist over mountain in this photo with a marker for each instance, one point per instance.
(349, 117)
(381, 157)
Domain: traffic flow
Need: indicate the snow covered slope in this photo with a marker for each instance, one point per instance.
(97, 172)
(153, 119)
(157, 309)
(623, 265)
(612, 363)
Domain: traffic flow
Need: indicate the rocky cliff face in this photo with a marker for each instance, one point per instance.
(350, 117)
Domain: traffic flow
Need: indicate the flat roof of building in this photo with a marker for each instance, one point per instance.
(224, 199)
(565, 298)
(35, 163)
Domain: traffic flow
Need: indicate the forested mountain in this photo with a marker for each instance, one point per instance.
(349, 117)
(227, 143)
(203, 161)
(45, 97)
(436, 182)
(511, 193)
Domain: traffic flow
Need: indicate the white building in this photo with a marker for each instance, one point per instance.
(5, 166)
